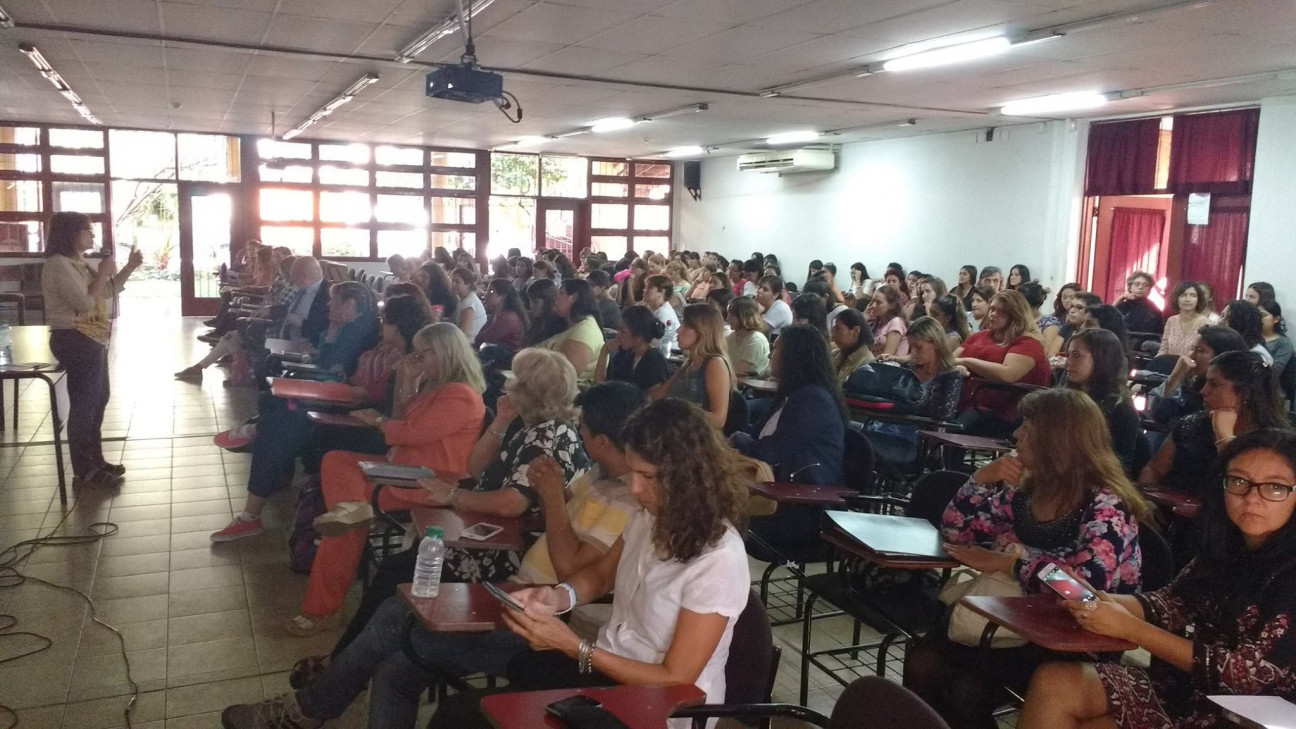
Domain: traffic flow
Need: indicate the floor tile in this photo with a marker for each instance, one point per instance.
(212, 697)
(206, 627)
(210, 656)
(208, 600)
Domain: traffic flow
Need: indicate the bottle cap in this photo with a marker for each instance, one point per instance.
(434, 532)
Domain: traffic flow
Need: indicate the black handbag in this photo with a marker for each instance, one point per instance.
(879, 381)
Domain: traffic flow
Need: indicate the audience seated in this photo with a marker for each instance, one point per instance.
(1274, 328)
(1189, 304)
(445, 305)
(932, 362)
(471, 316)
(1222, 627)
(852, 344)
(656, 296)
(1141, 315)
(1096, 365)
(749, 348)
(601, 284)
(1008, 350)
(1077, 311)
(979, 308)
(507, 324)
(948, 311)
(1050, 327)
(1244, 318)
(991, 277)
(581, 338)
(1180, 394)
(1017, 275)
(706, 378)
(967, 281)
(630, 356)
(1063, 499)
(886, 317)
(774, 310)
(544, 323)
(808, 309)
(1104, 316)
(1062, 301)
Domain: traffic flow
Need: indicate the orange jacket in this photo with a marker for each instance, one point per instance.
(438, 431)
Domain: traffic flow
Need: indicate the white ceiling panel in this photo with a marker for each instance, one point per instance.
(580, 59)
(738, 44)
(203, 21)
(835, 16)
(734, 12)
(326, 36)
(951, 20)
(651, 34)
(564, 24)
(369, 11)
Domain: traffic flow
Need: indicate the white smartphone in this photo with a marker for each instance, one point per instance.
(1068, 587)
(499, 594)
(481, 531)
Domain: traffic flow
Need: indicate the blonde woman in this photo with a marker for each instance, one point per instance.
(932, 361)
(749, 348)
(706, 378)
(437, 430)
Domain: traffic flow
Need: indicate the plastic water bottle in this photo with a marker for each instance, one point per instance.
(427, 570)
(6, 344)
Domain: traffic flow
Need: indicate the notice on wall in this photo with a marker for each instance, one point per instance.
(1199, 208)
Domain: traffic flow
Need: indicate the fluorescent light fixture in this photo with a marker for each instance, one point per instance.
(690, 109)
(1043, 105)
(611, 124)
(950, 54)
(532, 141)
(446, 27)
(342, 99)
(6, 20)
(685, 152)
(792, 138)
(54, 78)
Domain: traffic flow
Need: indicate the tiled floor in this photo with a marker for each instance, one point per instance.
(200, 621)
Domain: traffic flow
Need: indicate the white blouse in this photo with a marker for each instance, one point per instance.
(651, 591)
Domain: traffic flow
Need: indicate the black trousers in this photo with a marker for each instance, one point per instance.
(86, 363)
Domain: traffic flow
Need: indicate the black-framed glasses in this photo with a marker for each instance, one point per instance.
(1239, 486)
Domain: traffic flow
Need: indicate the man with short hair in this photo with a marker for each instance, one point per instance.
(991, 276)
(777, 314)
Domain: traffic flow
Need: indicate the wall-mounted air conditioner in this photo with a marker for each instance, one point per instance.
(788, 161)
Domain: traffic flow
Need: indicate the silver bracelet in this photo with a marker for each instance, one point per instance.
(585, 657)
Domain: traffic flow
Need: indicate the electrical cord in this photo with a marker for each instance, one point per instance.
(12, 557)
(504, 105)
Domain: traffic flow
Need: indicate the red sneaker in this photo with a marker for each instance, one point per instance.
(236, 439)
(238, 529)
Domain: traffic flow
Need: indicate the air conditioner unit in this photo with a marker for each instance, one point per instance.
(788, 161)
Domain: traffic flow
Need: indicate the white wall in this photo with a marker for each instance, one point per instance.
(933, 203)
(1271, 241)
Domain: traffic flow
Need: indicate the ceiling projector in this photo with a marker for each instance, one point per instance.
(465, 83)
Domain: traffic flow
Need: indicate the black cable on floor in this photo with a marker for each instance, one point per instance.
(13, 556)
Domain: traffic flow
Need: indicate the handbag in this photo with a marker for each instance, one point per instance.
(886, 382)
(966, 626)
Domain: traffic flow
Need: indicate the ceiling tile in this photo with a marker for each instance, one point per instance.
(318, 34)
(834, 16)
(579, 60)
(734, 12)
(201, 21)
(652, 34)
(562, 24)
(737, 45)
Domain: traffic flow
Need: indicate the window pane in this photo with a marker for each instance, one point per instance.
(291, 173)
(564, 176)
(345, 207)
(20, 162)
(660, 244)
(618, 169)
(413, 180)
(301, 241)
(398, 156)
(280, 204)
(147, 215)
(653, 192)
(209, 157)
(78, 197)
(345, 242)
(353, 153)
(512, 225)
(453, 182)
(330, 175)
(24, 237)
(142, 155)
(273, 148)
(406, 209)
(76, 165)
(20, 195)
(609, 216)
(515, 174)
(19, 135)
(78, 138)
(609, 189)
(461, 210)
(652, 217)
(453, 159)
(404, 242)
(615, 246)
(453, 240)
(652, 170)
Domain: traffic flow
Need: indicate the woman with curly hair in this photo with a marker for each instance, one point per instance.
(434, 279)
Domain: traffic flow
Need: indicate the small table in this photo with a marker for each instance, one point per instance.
(977, 443)
(1043, 621)
(33, 360)
(639, 707)
(453, 523)
(340, 420)
(286, 346)
(890, 541)
(1171, 499)
(758, 385)
(801, 494)
(459, 607)
(336, 393)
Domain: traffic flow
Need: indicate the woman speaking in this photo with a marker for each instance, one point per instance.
(77, 309)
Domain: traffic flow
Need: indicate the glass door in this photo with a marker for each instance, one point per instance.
(562, 224)
(206, 225)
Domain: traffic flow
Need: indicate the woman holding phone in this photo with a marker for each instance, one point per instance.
(1224, 626)
(78, 310)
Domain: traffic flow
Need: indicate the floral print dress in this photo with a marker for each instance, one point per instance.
(1244, 649)
(555, 438)
(1099, 540)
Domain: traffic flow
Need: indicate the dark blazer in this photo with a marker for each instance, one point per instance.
(809, 440)
(317, 321)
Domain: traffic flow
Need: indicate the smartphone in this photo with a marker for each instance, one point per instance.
(499, 594)
(481, 531)
(1057, 580)
(561, 708)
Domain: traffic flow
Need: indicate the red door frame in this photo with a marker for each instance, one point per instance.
(580, 230)
(190, 304)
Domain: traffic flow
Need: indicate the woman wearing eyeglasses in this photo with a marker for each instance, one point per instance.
(1224, 626)
(78, 311)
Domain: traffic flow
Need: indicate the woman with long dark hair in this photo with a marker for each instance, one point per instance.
(1017, 275)
(433, 278)
(1222, 627)
(1181, 328)
(948, 311)
(507, 324)
(78, 310)
(1244, 318)
(853, 342)
(967, 281)
(631, 356)
(1096, 365)
(581, 338)
(540, 296)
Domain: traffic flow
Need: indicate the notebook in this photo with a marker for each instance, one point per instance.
(390, 472)
(899, 536)
(1258, 712)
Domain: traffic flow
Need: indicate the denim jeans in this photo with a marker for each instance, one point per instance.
(397, 683)
(282, 434)
(86, 363)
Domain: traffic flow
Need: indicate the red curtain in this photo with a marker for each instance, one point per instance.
(1135, 245)
(1122, 158)
(1214, 253)
(1214, 152)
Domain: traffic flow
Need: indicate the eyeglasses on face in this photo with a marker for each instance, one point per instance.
(1239, 486)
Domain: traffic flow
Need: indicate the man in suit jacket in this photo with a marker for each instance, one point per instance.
(307, 314)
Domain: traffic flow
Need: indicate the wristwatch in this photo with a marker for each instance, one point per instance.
(380, 420)
(451, 496)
